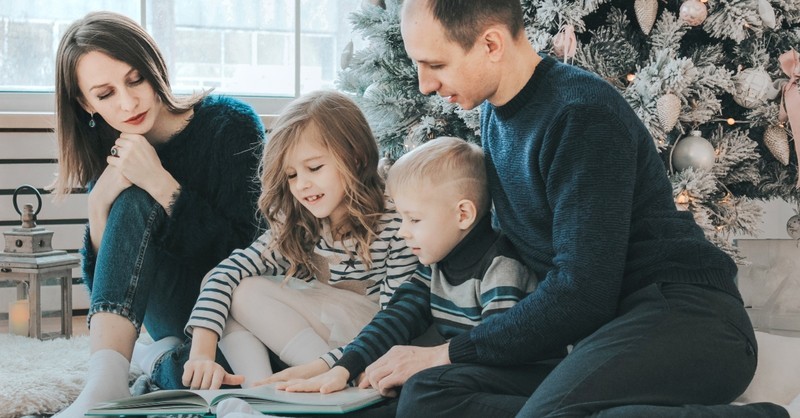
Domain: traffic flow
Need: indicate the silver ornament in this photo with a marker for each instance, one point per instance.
(347, 55)
(777, 141)
(693, 12)
(384, 164)
(793, 227)
(753, 87)
(693, 151)
(767, 14)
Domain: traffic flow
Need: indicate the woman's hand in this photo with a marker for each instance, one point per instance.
(304, 371)
(138, 161)
(333, 380)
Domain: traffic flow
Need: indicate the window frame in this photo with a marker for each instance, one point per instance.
(33, 109)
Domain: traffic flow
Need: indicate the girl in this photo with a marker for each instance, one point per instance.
(172, 189)
(331, 238)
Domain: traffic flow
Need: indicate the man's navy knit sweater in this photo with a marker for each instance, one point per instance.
(582, 193)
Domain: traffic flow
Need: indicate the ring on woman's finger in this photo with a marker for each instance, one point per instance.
(114, 151)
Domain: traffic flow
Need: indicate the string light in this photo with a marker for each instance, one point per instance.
(630, 77)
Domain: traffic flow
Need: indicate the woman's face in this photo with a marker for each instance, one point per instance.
(117, 92)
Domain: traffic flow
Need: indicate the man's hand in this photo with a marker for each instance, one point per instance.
(333, 380)
(400, 363)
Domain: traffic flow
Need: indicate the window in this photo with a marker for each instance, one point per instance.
(264, 50)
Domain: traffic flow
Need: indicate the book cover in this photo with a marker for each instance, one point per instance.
(266, 399)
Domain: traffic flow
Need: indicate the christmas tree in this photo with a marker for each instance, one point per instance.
(715, 82)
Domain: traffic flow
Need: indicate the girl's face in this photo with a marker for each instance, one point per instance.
(118, 93)
(313, 178)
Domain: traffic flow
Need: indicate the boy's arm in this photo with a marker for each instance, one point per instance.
(407, 316)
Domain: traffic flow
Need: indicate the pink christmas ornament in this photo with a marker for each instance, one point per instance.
(565, 43)
(693, 12)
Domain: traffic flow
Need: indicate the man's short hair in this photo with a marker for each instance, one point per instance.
(465, 20)
(448, 161)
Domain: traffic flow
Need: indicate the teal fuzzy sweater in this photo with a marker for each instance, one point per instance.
(582, 193)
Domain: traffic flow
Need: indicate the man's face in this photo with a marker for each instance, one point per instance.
(443, 66)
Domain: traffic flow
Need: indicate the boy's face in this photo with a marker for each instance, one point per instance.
(431, 226)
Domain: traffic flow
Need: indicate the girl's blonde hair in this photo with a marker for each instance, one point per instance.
(345, 133)
(83, 149)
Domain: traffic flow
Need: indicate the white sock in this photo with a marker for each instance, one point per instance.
(235, 407)
(107, 380)
(794, 408)
(306, 346)
(247, 356)
(145, 356)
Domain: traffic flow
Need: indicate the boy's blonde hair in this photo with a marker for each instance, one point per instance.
(344, 131)
(443, 161)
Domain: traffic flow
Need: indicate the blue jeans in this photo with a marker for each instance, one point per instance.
(135, 277)
(675, 350)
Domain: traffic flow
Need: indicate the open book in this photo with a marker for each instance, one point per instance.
(266, 399)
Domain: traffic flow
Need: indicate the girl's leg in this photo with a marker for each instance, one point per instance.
(259, 304)
(246, 354)
(676, 350)
(125, 274)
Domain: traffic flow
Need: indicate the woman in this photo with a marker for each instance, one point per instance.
(173, 189)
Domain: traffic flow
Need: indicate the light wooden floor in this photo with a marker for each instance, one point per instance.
(54, 324)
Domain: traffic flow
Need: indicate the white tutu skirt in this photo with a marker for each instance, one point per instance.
(337, 315)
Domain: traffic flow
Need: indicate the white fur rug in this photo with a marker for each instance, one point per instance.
(41, 377)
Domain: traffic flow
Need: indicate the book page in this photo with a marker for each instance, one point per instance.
(347, 396)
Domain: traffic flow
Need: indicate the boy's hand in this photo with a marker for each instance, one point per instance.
(333, 380)
(201, 373)
(305, 371)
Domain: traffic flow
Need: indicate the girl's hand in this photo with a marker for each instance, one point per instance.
(138, 161)
(305, 371)
(201, 371)
(204, 373)
(333, 380)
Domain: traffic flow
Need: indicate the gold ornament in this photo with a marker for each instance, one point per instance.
(693, 151)
(646, 11)
(777, 141)
(668, 107)
(693, 12)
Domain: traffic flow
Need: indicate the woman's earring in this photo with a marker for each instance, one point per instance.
(92, 123)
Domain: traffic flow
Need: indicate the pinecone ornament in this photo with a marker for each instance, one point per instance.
(646, 11)
(347, 56)
(668, 107)
(777, 141)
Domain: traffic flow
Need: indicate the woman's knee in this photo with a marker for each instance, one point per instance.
(133, 200)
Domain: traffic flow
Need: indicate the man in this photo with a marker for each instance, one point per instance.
(649, 304)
